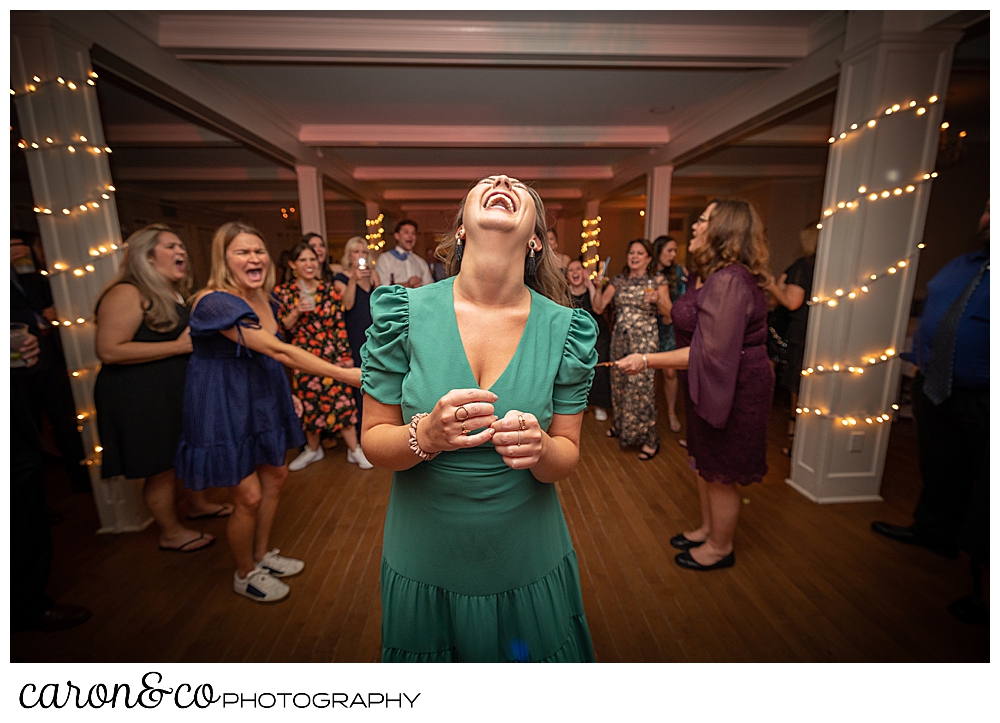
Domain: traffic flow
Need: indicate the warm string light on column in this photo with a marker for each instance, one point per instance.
(49, 144)
(869, 360)
(83, 207)
(590, 235)
(863, 286)
(37, 83)
(848, 421)
(375, 231)
(872, 122)
(286, 211)
(872, 196)
(100, 252)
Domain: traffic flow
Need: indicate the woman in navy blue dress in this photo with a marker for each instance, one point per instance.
(239, 415)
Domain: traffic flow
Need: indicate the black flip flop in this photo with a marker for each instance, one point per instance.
(218, 514)
(185, 546)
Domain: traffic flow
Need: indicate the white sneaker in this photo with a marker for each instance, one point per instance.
(599, 414)
(260, 586)
(306, 457)
(278, 566)
(357, 456)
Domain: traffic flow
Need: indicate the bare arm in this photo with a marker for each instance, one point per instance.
(385, 436)
(349, 290)
(663, 303)
(604, 299)
(791, 296)
(118, 319)
(674, 359)
(550, 455)
(263, 342)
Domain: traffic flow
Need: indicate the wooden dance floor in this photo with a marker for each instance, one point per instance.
(811, 583)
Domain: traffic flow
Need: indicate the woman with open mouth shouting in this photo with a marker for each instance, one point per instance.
(475, 388)
(239, 414)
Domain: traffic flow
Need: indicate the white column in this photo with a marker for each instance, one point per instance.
(658, 201)
(839, 454)
(312, 212)
(54, 86)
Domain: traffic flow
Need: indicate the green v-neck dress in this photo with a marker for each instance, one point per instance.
(477, 562)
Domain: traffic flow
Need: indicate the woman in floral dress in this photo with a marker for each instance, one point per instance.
(634, 398)
(312, 313)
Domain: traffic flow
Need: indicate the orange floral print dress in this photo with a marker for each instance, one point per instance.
(326, 403)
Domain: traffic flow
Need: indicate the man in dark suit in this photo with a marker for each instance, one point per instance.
(951, 405)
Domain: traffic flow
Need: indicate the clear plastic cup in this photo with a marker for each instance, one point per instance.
(308, 300)
(18, 335)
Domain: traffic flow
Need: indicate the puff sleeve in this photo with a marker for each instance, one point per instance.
(724, 308)
(576, 368)
(385, 357)
(219, 311)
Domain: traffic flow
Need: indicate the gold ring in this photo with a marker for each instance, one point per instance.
(461, 419)
(464, 430)
(519, 438)
(521, 426)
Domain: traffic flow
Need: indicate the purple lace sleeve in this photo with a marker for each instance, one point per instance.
(724, 307)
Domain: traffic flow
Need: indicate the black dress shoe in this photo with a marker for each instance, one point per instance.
(60, 617)
(912, 535)
(971, 610)
(683, 543)
(689, 563)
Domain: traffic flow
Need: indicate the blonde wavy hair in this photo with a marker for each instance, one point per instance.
(159, 295)
(221, 278)
(352, 243)
(735, 235)
(548, 280)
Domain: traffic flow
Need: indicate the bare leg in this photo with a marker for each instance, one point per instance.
(724, 499)
(670, 392)
(271, 481)
(350, 435)
(158, 493)
(243, 523)
(312, 439)
(198, 504)
(702, 532)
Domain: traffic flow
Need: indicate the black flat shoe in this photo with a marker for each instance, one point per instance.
(683, 543)
(611, 433)
(645, 456)
(913, 535)
(689, 563)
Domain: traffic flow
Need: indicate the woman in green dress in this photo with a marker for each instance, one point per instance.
(474, 392)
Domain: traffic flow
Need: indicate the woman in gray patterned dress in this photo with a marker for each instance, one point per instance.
(633, 398)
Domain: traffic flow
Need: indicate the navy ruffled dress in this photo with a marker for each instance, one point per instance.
(238, 410)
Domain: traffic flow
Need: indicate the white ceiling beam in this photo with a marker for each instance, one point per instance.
(164, 134)
(735, 114)
(437, 194)
(204, 173)
(472, 173)
(221, 106)
(311, 38)
(718, 170)
(481, 136)
(788, 135)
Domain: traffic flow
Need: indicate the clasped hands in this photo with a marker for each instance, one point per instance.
(452, 423)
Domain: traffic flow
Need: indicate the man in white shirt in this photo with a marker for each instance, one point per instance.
(400, 265)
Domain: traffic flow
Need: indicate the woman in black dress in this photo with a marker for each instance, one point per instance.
(355, 283)
(585, 294)
(144, 343)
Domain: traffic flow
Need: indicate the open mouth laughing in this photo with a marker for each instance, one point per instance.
(500, 200)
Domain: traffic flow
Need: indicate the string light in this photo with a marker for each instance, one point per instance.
(375, 231)
(52, 145)
(591, 240)
(61, 267)
(869, 360)
(71, 84)
(872, 122)
(873, 196)
(850, 420)
(864, 286)
(88, 205)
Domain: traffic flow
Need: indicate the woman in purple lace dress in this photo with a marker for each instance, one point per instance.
(721, 329)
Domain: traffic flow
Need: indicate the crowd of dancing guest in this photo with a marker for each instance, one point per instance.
(671, 283)
(633, 399)
(239, 415)
(721, 325)
(312, 312)
(143, 342)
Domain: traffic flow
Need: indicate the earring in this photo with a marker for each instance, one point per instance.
(459, 247)
(531, 258)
